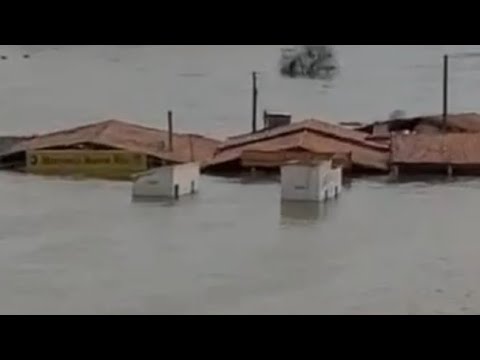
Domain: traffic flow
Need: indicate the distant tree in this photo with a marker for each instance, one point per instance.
(309, 61)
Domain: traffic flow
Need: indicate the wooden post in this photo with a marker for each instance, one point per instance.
(450, 171)
(445, 91)
(170, 131)
(395, 172)
(254, 103)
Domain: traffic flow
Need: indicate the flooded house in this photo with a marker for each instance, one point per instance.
(456, 123)
(108, 149)
(445, 154)
(309, 140)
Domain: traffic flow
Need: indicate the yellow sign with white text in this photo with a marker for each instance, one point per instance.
(110, 164)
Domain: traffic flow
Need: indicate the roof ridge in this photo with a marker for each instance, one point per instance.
(140, 126)
(306, 125)
(361, 139)
(103, 127)
(302, 139)
(151, 128)
(74, 129)
(265, 135)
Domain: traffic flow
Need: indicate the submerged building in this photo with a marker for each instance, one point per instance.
(309, 140)
(108, 149)
(447, 154)
(456, 123)
(429, 145)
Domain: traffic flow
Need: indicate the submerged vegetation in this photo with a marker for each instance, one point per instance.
(309, 61)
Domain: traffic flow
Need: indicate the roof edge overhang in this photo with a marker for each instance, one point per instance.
(111, 147)
(368, 144)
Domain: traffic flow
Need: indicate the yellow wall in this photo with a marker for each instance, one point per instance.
(90, 163)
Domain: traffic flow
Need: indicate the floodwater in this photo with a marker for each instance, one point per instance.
(84, 248)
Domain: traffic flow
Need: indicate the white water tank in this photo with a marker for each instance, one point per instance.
(168, 182)
(311, 181)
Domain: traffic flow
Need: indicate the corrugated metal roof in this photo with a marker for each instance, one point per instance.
(126, 136)
(455, 149)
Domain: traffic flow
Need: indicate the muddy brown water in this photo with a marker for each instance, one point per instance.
(83, 247)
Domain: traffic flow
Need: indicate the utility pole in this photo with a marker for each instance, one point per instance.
(445, 91)
(254, 103)
(170, 131)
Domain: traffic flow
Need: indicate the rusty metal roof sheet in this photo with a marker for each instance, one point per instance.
(126, 136)
(455, 149)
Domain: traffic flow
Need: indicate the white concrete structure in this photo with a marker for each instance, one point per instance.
(316, 181)
(168, 182)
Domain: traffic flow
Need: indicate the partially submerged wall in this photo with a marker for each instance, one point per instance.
(89, 163)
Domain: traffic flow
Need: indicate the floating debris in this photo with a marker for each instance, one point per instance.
(309, 61)
(5, 57)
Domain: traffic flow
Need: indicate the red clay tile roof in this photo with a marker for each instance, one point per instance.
(122, 135)
(467, 122)
(318, 126)
(311, 135)
(225, 155)
(455, 149)
(463, 123)
(275, 159)
(364, 156)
